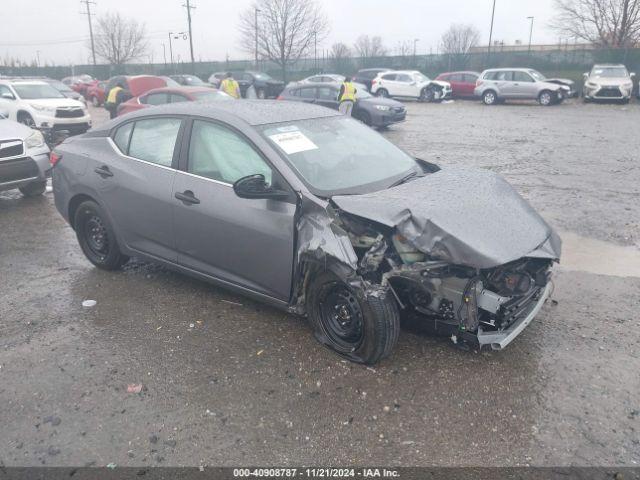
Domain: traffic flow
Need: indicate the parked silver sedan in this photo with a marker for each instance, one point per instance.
(500, 84)
(311, 211)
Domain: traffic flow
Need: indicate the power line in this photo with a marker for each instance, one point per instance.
(88, 3)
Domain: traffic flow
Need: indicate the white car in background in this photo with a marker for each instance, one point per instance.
(24, 158)
(608, 82)
(38, 105)
(410, 84)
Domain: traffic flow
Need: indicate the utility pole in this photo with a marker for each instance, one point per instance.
(189, 7)
(315, 50)
(530, 33)
(493, 15)
(415, 49)
(164, 54)
(88, 13)
(257, 12)
(171, 52)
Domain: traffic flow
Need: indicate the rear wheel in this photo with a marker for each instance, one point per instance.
(33, 189)
(261, 94)
(97, 237)
(363, 328)
(489, 97)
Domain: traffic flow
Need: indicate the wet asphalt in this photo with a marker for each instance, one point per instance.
(228, 381)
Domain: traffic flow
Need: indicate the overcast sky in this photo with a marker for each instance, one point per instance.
(58, 30)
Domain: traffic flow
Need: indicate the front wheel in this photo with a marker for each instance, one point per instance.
(97, 237)
(361, 327)
(382, 93)
(546, 98)
(261, 94)
(33, 189)
(427, 95)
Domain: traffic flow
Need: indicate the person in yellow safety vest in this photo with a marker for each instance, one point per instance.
(347, 97)
(111, 104)
(230, 86)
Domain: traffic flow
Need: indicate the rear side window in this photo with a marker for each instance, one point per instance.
(308, 92)
(389, 76)
(470, 78)
(122, 136)
(327, 93)
(154, 140)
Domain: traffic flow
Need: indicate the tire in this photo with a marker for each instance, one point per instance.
(260, 93)
(26, 119)
(489, 97)
(363, 329)
(97, 237)
(427, 95)
(33, 189)
(382, 92)
(365, 118)
(95, 102)
(546, 98)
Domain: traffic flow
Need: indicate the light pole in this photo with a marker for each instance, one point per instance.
(164, 54)
(171, 52)
(256, 25)
(493, 15)
(530, 33)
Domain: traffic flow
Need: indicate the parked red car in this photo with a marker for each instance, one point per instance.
(161, 96)
(462, 83)
(79, 83)
(95, 93)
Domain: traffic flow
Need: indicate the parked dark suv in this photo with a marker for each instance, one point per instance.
(264, 85)
(366, 75)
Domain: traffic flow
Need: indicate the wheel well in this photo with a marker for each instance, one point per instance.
(546, 90)
(74, 204)
(21, 113)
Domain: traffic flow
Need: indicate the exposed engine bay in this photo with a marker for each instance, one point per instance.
(459, 300)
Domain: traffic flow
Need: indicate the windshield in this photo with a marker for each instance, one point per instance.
(537, 75)
(61, 87)
(194, 81)
(262, 76)
(34, 91)
(420, 78)
(339, 155)
(212, 95)
(610, 72)
(171, 82)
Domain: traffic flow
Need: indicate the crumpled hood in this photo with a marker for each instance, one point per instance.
(441, 83)
(462, 216)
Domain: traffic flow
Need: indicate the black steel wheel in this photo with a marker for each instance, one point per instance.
(97, 237)
(359, 325)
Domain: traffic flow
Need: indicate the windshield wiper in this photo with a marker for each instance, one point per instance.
(405, 179)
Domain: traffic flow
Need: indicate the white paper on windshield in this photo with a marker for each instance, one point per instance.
(293, 142)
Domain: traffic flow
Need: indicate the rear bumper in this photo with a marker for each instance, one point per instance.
(499, 340)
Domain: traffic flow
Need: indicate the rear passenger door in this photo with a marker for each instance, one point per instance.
(135, 182)
(504, 80)
(328, 97)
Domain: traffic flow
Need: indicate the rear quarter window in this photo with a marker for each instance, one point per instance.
(122, 136)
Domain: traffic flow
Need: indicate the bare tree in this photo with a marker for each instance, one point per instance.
(341, 57)
(606, 23)
(119, 40)
(369, 47)
(457, 42)
(287, 30)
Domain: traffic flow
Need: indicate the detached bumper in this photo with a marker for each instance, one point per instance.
(499, 340)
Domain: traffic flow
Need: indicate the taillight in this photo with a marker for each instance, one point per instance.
(279, 97)
(478, 82)
(374, 81)
(54, 158)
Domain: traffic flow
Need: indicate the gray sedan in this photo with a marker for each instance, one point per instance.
(312, 212)
(374, 111)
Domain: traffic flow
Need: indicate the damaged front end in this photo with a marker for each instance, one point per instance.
(488, 306)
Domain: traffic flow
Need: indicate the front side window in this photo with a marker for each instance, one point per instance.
(154, 140)
(522, 77)
(328, 93)
(5, 90)
(404, 78)
(218, 153)
(175, 98)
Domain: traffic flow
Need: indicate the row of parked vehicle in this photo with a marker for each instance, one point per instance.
(603, 82)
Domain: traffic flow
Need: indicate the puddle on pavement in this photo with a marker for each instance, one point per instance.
(595, 256)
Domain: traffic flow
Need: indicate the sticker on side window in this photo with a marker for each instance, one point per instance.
(293, 142)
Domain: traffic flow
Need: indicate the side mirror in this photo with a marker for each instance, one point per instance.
(255, 187)
(8, 96)
(632, 74)
(585, 75)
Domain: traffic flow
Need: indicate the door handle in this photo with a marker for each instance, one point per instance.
(104, 171)
(187, 197)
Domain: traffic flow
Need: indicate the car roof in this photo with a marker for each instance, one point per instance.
(181, 89)
(609, 65)
(314, 84)
(509, 69)
(252, 112)
(460, 71)
(24, 82)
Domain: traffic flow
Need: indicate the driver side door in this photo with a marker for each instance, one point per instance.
(243, 242)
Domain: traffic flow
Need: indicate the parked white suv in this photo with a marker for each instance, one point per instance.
(410, 84)
(608, 82)
(38, 105)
